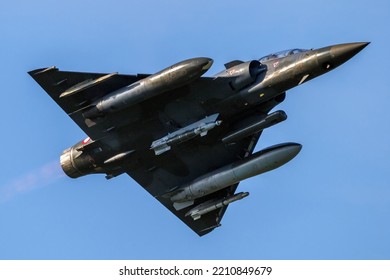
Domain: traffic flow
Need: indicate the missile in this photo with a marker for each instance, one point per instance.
(212, 205)
(175, 76)
(255, 126)
(260, 162)
(184, 134)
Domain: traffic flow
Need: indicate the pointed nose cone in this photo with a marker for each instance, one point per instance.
(343, 52)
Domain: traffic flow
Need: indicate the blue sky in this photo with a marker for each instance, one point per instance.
(331, 202)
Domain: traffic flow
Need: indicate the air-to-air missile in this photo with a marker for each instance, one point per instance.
(260, 162)
(175, 76)
(208, 206)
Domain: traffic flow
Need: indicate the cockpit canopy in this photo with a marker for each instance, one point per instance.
(281, 54)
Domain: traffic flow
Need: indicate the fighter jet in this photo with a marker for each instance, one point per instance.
(186, 139)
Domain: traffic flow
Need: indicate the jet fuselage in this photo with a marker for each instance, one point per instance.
(285, 70)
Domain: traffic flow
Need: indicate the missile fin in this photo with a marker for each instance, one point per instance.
(181, 205)
(203, 133)
(161, 149)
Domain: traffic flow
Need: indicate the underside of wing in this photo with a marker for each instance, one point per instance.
(164, 142)
(75, 91)
(186, 164)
